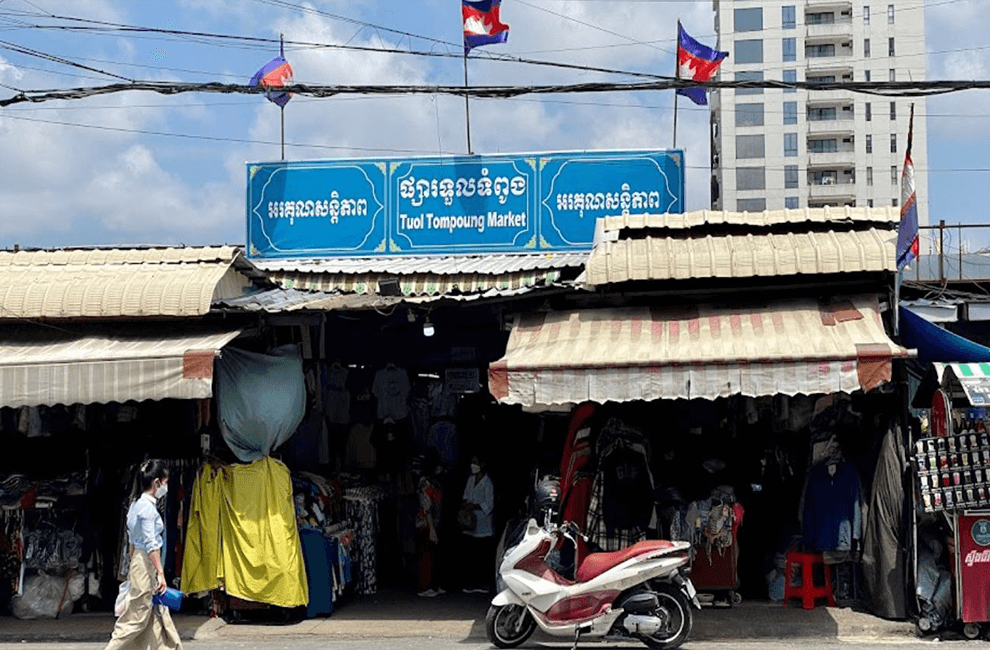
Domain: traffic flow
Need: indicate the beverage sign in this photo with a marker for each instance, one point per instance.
(974, 567)
(520, 203)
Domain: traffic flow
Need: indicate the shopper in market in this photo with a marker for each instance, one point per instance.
(477, 520)
(144, 624)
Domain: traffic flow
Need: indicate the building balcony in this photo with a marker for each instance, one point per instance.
(840, 28)
(845, 158)
(832, 191)
(816, 127)
(822, 5)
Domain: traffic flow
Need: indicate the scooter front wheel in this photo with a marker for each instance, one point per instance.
(675, 612)
(509, 626)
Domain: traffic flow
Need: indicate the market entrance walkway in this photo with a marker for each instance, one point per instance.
(458, 616)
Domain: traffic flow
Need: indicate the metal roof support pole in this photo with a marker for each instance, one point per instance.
(941, 250)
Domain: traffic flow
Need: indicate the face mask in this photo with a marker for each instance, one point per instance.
(161, 491)
(475, 468)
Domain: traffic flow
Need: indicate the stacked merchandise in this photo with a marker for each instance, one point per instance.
(954, 471)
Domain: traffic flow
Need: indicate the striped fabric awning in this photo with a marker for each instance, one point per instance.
(47, 367)
(974, 378)
(416, 284)
(699, 351)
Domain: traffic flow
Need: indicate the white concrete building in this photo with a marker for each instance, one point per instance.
(774, 149)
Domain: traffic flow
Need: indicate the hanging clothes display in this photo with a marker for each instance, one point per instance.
(832, 516)
(391, 389)
(622, 510)
(362, 508)
(250, 517)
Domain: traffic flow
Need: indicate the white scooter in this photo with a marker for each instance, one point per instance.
(637, 593)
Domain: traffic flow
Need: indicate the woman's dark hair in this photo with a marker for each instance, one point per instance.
(151, 470)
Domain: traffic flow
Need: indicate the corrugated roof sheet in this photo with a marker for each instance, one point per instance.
(753, 255)
(451, 265)
(707, 351)
(111, 282)
(765, 219)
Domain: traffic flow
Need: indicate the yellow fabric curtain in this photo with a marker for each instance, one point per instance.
(243, 537)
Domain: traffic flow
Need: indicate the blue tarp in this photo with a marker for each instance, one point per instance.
(936, 344)
(261, 399)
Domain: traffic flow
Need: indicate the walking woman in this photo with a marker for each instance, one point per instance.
(478, 529)
(144, 624)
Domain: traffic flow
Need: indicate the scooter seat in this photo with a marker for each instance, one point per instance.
(598, 563)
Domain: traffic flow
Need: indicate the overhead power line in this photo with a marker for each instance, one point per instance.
(886, 89)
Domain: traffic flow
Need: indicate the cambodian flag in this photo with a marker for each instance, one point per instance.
(277, 73)
(695, 61)
(907, 231)
(482, 25)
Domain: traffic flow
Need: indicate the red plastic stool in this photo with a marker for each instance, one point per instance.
(807, 591)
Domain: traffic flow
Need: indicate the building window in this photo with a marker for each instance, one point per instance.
(893, 110)
(893, 174)
(869, 143)
(866, 47)
(867, 76)
(830, 177)
(749, 114)
(790, 112)
(893, 143)
(750, 146)
(869, 176)
(890, 14)
(869, 112)
(749, 51)
(892, 74)
(830, 145)
(866, 15)
(751, 178)
(790, 176)
(818, 51)
(790, 145)
(788, 17)
(789, 49)
(791, 202)
(751, 205)
(893, 201)
(790, 76)
(749, 20)
(890, 46)
(821, 18)
(869, 203)
(753, 75)
(822, 79)
(826, 114)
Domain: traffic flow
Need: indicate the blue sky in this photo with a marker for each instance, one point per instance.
(99, 170)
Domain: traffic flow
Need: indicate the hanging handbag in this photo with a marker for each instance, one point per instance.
(466, 518)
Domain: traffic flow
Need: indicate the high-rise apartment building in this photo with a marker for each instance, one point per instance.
(775, 148)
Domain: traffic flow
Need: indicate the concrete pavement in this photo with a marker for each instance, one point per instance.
(462, 617)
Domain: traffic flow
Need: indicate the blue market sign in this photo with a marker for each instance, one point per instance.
(453, 205)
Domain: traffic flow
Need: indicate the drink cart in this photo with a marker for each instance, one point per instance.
(952, 469)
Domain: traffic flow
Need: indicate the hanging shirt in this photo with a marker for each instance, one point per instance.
(482, 494)
(144, 525)
(391, 388)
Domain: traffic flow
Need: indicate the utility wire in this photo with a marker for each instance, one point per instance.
(885, 89)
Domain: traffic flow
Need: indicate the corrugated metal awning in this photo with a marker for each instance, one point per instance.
(55, 366)
(742, 256)
(114, 282)
(701, 351)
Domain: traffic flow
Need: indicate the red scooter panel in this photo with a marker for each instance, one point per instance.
(598, 563)
(533, 563)
(579, 609)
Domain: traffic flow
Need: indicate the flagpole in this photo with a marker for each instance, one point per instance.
(677, 75)
(281, 53)
(467, 105)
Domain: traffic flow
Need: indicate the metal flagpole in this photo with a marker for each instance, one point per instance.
(467, 106)
(281, 53)
(677, 75)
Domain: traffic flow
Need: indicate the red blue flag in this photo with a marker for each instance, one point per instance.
(697, 62)
(482, 25)
(277, 73)
(908, 245)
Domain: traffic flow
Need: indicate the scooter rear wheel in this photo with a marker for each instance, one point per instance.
(676, 610)
(508, 626)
